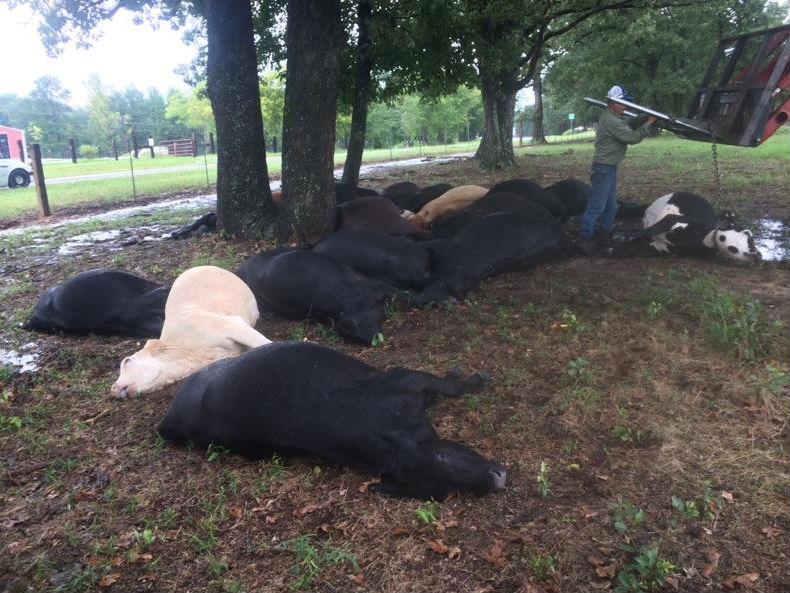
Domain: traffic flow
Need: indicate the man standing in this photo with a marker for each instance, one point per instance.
(611, 141)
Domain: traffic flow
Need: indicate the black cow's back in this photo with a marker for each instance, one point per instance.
(103, 302)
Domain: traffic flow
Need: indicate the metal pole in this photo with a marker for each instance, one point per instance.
(131, 166)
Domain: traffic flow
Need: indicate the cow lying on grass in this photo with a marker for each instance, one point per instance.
(307, 285)
(298, 398)
(102, 302)
(209, 315)
(450, 202)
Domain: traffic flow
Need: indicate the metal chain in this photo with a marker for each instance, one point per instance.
(716, 173)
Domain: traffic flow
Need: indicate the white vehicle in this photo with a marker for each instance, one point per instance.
(14, 173)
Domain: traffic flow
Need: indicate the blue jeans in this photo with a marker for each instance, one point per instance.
(602, 201)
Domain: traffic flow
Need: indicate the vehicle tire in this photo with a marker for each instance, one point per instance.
(19, 178)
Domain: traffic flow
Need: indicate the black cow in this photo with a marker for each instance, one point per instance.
(302, 284)
(102, 302)
(345, 192)
(402, 187)
(490, 204)
(494, 244)
(298, 398)
(394, 260)
(531, 190)
(573, 195)
(202, 226)
(374, 212)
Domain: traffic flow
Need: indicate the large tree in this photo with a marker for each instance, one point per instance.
(245, 207)
(244, 203)
(660, 56)
(313, 42)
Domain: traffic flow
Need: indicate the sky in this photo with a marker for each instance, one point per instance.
(125, 55)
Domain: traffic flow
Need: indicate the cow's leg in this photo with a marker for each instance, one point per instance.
(237, 330)
(451, 385)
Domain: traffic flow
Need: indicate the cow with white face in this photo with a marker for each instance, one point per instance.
(684, 223)
(210, 314)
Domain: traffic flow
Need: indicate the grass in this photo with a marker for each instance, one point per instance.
(669, 159)
(591, 345)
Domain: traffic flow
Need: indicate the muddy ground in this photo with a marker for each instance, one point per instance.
(654, 390)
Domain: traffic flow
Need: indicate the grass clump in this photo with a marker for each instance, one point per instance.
(646, 572)
(310, 559)
(733, 323)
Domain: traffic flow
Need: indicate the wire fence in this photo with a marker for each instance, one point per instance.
(173, 166)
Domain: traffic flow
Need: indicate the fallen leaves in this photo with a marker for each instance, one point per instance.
(437, 546)
(604, 568)
(497, 554)
(109, 579)
(771, 532)
(311, 508)
(713, 563)
(747, 581)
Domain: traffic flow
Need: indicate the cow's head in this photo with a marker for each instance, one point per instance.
(437, 468)
(735, 244)
(142, 371)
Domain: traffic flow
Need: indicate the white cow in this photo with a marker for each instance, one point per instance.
(209, 315)
(450, 202)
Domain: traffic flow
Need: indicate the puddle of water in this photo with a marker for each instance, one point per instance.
(78, 243)
(23, 362)
(772, 238)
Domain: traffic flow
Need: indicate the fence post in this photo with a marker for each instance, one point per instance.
(205, 161)
(274, 143)
(115, 149)
(212, 149)
(135, 149)
(21, 150)
(72, 150)
(194, 145)
(131, 167)
(41, 186)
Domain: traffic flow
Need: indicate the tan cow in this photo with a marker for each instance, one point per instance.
(209, 315)
(450, 202)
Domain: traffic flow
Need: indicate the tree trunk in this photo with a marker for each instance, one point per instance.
(313, 38)
(362, 92)
(245, 207)
(496, 146)
(538, 136)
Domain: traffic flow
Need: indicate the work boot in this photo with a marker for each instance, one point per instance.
(604, 238)
(586, 245)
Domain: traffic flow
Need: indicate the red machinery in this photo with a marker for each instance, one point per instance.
(745, 94)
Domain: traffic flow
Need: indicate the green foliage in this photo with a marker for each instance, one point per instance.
(667, 52)
(88, 151)
(624, 432)
(570, 321)
(706, 507)
(625, 515)
(773, 381)
(428, 512)
(216, 452)
(377, 340)
(542, 566)
(191, 109)
(579, 369)
(543, 479)
(734, 323)
(310, 560)
(646, 572)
